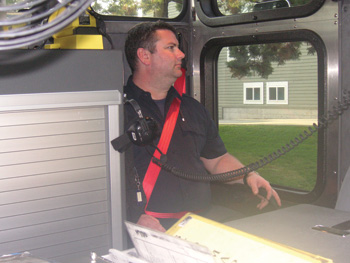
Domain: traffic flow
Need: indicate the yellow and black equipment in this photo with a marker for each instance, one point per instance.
(82, 33)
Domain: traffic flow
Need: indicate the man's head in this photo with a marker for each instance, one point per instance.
(144, 36)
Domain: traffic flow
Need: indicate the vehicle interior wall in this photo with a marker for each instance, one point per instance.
(58, 171)
(344, 69)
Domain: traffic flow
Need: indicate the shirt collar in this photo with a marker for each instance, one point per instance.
(133, 91)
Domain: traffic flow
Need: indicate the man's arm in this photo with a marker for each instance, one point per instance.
(227, 162)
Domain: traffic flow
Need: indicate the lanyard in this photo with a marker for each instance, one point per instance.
(153, 170)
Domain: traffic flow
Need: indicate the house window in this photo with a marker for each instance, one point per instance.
(277, 92)
(253, 93)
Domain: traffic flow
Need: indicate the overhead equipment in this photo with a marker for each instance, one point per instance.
(26, 23)
(82, 33)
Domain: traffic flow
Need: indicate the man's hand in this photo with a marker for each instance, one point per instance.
(150, 222)
(227, 162)
(255, 182)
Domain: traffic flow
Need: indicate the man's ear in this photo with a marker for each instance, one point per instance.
(144, 56)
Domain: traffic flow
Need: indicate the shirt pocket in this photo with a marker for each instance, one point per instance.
(193, 135)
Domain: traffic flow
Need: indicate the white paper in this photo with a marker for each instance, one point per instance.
(127, 256)
(157, 247)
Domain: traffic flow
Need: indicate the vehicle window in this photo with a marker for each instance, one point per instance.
(138, 8)
(234, 7)
(267, 96)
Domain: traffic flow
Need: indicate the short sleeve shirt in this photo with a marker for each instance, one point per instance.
(195, 135)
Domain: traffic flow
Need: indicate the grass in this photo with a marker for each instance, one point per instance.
(249, 143)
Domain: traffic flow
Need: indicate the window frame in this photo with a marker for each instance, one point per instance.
(178, 18)
(209, 96)
(277, 84)
(209, 14)
(253, 85)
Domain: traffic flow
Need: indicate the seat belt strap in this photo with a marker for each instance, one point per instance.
(153, 169)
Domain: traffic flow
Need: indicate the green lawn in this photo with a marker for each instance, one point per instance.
(249, 143)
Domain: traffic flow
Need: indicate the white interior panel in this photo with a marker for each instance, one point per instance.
(55, 176)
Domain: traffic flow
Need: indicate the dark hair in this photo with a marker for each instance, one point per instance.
(143, 36)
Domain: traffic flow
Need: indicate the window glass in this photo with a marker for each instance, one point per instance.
(138, 8)
(234, 7)
(267, 96)
(256, 94)
(249, 94)
(280, 93)
(272, 95)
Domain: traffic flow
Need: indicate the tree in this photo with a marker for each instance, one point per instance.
(233, 7)
(117, 8)
(149, 8)
(250, 59)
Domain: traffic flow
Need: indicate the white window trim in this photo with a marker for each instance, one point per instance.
(228, 58)
(253, 85)
(283, 84)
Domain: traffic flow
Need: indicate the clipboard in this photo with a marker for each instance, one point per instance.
(232, 245)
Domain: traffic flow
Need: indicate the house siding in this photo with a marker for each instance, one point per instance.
(302, 79)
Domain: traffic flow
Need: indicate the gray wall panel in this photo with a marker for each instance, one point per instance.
(51, 191)
(21, 220)
(53, 227)
(41, 180)
(38, 206)
(39, 71)
(53, 166)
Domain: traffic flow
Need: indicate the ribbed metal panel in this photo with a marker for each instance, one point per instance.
(54, 181)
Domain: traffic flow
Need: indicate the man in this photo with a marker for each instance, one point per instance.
(153, 53)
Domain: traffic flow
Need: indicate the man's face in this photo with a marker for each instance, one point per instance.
(167, 57)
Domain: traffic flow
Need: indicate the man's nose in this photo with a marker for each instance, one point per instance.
(180, 54)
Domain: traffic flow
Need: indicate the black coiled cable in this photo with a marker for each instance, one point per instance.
(101, 27)
(324, 121)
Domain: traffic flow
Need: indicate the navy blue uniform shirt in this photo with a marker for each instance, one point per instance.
(195, 135)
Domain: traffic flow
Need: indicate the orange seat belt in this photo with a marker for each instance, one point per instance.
(153, 170)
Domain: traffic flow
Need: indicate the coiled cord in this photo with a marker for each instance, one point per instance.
(27, 22)
(324, 121)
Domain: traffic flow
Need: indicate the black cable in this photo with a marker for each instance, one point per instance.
(324, 121)
(101, 27)
(32, 17)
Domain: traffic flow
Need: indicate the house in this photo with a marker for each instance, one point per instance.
(290, 92)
